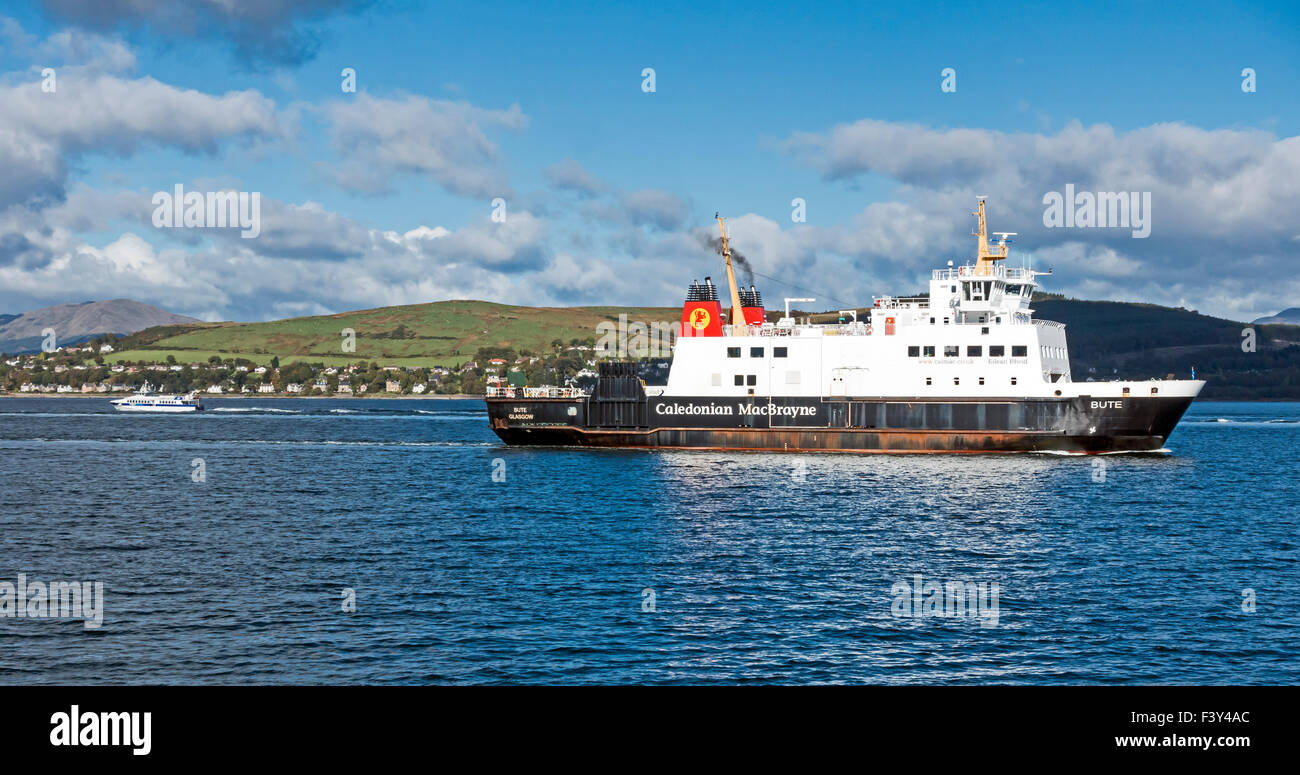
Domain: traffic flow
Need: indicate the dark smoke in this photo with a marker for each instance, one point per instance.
(738, 261)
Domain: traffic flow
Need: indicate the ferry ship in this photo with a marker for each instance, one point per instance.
(148, 401)
(965, 369)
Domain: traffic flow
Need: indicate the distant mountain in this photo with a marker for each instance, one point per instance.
(73, 323)
(1290, 317)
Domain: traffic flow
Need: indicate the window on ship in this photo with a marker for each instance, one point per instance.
(756, 352)
(778, 352)
(914, 352)
(951, 351)
(997, 351)
(974, 351)
(1019, 351)
(733, 352)
(929, 351)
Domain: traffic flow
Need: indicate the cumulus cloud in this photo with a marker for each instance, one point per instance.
(307, 260)
(569, 175)
(75, 49)
(280, 32)
(1220, 199)
(40, 133)
(657, 209)
(378, 139)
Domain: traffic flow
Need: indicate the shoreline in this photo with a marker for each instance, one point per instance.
(242, 397)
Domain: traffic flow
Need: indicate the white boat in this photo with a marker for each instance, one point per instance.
(148, 401)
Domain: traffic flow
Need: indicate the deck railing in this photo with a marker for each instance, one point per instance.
(545, 391)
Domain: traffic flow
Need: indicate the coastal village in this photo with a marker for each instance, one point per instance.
(90, 368)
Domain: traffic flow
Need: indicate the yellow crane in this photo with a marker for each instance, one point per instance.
(738, 327)
(985, 258)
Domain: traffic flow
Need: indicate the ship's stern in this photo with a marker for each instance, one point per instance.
(538, 421)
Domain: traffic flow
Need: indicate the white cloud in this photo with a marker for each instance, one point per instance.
(569, 175)
(378, 139)
(40, 133)
(1218, 196)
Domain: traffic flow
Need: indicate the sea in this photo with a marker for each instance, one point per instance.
(366, 541)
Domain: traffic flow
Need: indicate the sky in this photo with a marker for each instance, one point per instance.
(515, 152)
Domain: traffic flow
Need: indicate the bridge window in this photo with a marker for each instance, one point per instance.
(733, 352)
(1019, 351)
(756, 352)
(914, 352)
(974, 351)
(997, 351)
(951, 351)
(778, 352)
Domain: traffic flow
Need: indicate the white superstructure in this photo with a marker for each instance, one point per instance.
(973, 336)
(148, 401)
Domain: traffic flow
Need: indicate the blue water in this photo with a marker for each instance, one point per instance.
(764, 568)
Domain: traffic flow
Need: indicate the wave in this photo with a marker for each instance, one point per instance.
(1243, 421)
(259, 409)
(1074, 454)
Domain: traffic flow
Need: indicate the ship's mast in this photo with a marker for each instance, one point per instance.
(737, 314)
(985, 258)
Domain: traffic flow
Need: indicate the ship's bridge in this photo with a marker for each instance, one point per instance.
(978, 293)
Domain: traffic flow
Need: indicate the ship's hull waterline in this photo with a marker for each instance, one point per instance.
(882, 425)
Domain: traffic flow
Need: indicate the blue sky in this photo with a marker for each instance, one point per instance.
(839, 104)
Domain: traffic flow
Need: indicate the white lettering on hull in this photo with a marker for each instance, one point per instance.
(746, 410)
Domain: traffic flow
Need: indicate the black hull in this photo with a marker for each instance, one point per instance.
(842, 425)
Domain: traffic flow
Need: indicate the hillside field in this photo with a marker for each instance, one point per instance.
(442, 333)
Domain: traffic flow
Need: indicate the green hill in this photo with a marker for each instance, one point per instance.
(1138, 341)
(442, 333)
